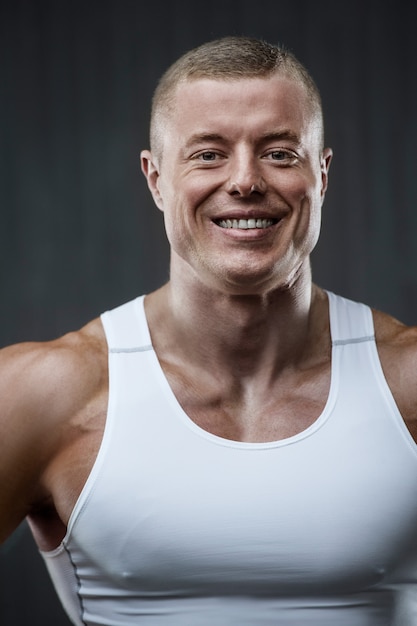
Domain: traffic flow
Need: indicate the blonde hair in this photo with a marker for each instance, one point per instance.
(229, 58)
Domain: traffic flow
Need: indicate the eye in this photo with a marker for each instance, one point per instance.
(208, 155)
(281, 155)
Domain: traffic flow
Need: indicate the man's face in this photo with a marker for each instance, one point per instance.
(241, 181)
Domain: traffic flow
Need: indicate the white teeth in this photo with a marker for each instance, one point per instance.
(245, 224)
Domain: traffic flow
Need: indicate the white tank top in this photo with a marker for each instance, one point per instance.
(179, 527)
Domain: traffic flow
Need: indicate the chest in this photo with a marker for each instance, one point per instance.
(216, 519)
(258, 410)
(195, 511)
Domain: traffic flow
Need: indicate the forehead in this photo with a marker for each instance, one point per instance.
(247, 104)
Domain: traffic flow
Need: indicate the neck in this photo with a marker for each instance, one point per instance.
(239, 331)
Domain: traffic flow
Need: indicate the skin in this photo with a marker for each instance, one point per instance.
(241, 332)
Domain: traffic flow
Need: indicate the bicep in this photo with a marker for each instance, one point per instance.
(23, 436)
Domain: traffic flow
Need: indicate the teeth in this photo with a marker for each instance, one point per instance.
(245, 224)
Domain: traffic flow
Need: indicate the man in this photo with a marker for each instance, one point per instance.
(235, 448)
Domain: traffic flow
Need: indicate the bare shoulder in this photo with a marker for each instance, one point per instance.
(393, 335)
(397, 348)
(45, 389)
(40, 371)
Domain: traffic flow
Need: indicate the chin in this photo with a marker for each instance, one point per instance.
(249, 284)
(246, 281)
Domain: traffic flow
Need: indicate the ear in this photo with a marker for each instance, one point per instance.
(150, 169)
(325, 161)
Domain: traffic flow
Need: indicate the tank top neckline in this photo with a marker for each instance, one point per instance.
(216, 439)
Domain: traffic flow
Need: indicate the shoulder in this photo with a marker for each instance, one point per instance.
(393, 336)
(397, 349)
(44, 389)
(39, 371)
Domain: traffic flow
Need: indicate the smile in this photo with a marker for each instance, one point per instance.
(244, 224)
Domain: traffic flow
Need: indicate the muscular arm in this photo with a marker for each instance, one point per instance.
(47, 393)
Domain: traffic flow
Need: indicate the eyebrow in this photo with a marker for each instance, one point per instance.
(280, 135)
(203, 137)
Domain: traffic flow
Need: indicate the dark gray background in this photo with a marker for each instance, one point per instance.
(78, 230)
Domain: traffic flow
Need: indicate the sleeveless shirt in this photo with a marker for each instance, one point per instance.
(179, 527)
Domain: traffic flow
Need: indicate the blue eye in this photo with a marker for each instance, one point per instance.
(279, 155)
(208, 156)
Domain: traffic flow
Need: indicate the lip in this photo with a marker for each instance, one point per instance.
(256, 215)
(247, 215)
(247, 234)
(246, 223)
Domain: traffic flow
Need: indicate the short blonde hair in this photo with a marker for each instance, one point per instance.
(229, 58)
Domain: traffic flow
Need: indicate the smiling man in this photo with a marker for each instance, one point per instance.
(240, 175)
(237, 447)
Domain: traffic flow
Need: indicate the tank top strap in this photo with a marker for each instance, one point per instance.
(126, 327)
(350, 322)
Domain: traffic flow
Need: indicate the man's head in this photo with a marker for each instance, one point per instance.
(229, 58)
(238, 166)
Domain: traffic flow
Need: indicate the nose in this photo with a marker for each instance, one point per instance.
(245, 177)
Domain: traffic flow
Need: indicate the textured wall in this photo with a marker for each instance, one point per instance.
(78, 230)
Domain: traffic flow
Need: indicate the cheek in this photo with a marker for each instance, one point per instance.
(309, 223)
(305, 191)
(201, 188)
(178, 224)
(291, 184)
(185, 203)
(306, 199)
